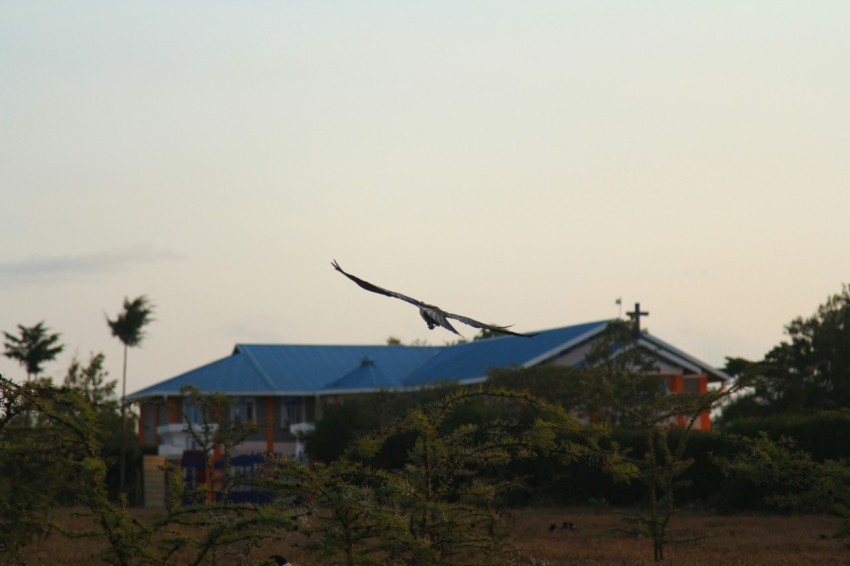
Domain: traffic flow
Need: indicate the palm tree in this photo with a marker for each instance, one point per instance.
(128, 328)
(33, 347)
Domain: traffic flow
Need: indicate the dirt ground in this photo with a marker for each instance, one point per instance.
(605, 538)
(600, 537)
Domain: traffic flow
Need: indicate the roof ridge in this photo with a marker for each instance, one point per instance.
(372, 372)
(595, 328)
(662, 344)
(245, 350)
(312, 369)
(438, 350)
(377, 374)
(300, 345)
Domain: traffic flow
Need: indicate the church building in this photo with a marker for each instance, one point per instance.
(283, 388)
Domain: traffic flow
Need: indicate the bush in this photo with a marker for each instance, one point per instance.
(824, 435)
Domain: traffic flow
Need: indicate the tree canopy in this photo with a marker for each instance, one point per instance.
(128, 325)
(91, 382)
(33, 346)
(808, 372)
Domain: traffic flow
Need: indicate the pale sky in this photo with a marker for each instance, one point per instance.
(516, 162)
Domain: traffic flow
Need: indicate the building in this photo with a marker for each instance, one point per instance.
(283, 388)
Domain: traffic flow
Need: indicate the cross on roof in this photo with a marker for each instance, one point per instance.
(635, 315)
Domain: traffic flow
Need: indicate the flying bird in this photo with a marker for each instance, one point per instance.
(432, 315)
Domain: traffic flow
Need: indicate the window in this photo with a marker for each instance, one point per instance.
(291, 411)
(191, 444)
(692, 386)
(194, 413)
(242, 410)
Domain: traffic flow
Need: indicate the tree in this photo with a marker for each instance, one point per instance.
(128, 327)
(619, 387)
(216, 433)
(747, 376)
(91, 382)
(54, 462)
(33, 347)
(221, 528)
(59, 462)
(807, 373)
(439, 504)
(360, 415)
(28, 471)
(791, 478)
(486, 333)
(396, 341)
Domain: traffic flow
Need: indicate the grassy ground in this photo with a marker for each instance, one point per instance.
(601, 537)
(604, 538)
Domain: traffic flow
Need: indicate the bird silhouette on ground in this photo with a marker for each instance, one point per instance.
(566, 525)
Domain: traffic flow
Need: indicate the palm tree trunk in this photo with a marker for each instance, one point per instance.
(123, 423)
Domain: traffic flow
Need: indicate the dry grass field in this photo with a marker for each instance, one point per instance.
(601, 537)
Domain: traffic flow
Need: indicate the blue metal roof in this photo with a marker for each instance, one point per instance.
(312, 368)
(233, 374)
(258, 369)
(470, 361)
(263, 369)
(368, 375)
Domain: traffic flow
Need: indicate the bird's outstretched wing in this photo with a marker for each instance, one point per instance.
(476, 324)
(380, 290)
(434, 316)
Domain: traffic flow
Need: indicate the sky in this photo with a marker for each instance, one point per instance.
(521, 163)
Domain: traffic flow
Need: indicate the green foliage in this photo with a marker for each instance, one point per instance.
(738, 367)
(486, 334)
(651, 439)
(356, 416)
(620, 386)
(55, 451)
(807, 373)
(563, 385)
(349, 523)
(32, 475)
(824, 435)
(216, 431)
(792, 479)
(218, 529)
(91, 382)
(617, 386)
(32, 347)
(215, 530)
(50, 454)
(128, 325)
(439, 504)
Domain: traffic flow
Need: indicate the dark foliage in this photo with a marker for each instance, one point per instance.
(32, 347)
(439, 502)
(809, 372)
